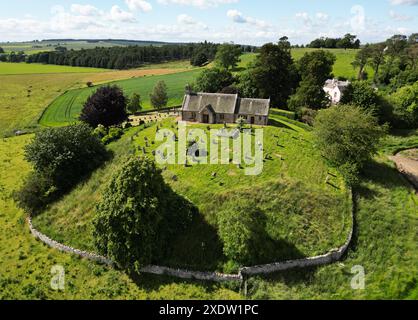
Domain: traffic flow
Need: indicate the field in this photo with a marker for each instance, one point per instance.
(67, 107)
(7, 68)
(33, 47)
(24, 96)
(342, 67)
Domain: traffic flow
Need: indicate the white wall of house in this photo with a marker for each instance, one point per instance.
(334, 94)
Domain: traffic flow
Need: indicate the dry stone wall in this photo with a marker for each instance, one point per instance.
(331, 257)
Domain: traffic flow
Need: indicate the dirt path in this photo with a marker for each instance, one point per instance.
(407, 164)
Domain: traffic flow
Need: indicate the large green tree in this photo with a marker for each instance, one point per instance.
(134, 104)
(107, 106)
(405, 106)
(138, 215)
(273, 74)
(315, 68)
(213, 80)
(348, 136)
(228, 55)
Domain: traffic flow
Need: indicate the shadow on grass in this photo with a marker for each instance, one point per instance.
(383, 174)
(279, 124)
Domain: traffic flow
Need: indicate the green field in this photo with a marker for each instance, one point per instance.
(342, 67)
(7, 68)
(67, 107)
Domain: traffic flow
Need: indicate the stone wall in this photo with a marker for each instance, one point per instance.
(332, 256)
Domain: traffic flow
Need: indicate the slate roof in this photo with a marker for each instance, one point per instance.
(333, 83)
(225, 104)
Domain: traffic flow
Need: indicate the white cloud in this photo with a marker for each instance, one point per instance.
(238, 17)
(404, 2)
(186, 19)
(202, 4)
(119, 15)
(139, 5)
(399, 17)
(84, 10)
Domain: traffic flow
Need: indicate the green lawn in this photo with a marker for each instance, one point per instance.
(67, 107)
(306, 216)
(7, 68)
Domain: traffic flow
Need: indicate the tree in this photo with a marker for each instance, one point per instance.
(361, 60)
(199, 59)
(315, 68)
(405, 106)
(64, 155)
(228, 55)
(412, 55)
(349, 41)
(159, 97)
(273, 74)
(348, 137)
(134, 104)
(377, 58)
(138, 215)
(362, 94)
(1, 50)
(214, 80)
(107, 106)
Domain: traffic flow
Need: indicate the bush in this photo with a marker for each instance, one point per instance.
(405, 106)
(348, 137)
(64, 155)
(114, 134)
(138, 215)
(107, 106)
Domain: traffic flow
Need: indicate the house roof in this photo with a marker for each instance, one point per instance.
(220, 103)
(225, 103)
(334, 83)
(258, 107)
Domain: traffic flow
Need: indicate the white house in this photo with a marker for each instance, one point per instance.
(335, 89)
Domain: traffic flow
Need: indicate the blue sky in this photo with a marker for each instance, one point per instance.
(240, 21)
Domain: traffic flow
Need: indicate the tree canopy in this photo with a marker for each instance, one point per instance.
(213, 80)
(138, 215)
(159, 96)
(107, 106)
(228, 55)
(348, 136)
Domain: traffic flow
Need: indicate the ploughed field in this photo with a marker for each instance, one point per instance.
(304, 215)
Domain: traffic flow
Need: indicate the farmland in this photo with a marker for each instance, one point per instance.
(7, 68)
(67, 107)
(24, 96)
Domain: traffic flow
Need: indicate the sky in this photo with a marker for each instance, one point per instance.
(252, 22)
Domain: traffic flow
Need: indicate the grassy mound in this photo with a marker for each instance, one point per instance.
(304, 215)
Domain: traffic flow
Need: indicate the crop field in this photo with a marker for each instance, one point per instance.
(66, 108)
(311, 217)
(7, 68)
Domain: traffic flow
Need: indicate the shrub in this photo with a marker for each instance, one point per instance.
(405, 106)
(138, 214)
(107, 106)
(159, 97)
(348, 137)
(113, 134)
(65, 155)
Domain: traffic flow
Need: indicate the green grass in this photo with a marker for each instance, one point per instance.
(25, 264)
(66, 108)
(306, 216)
(342, 67)
(7, 68)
